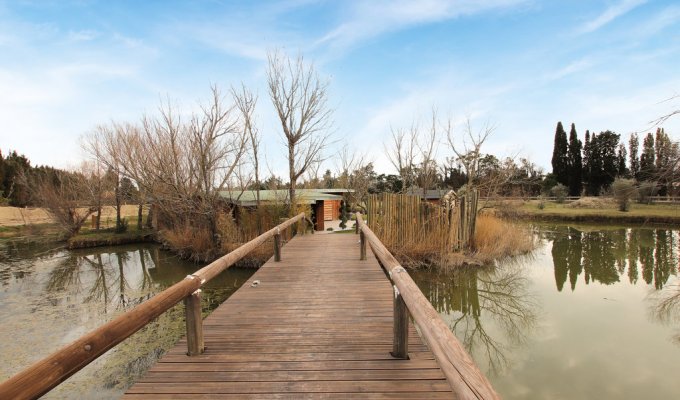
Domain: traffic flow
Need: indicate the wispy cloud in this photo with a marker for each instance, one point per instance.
(368, 19)
(610, 14)
(572, 68)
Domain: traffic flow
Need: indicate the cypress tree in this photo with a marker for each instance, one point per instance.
(633, 145)
(622, 171)
(560, 163)
(586, 171)
(575, 163)
(647, 158)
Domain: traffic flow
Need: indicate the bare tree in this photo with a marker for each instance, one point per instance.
(246, 102)
(427, 149)
(402, 153)
(468, 151)
(61, 196)
(182, 165)
(301, 102)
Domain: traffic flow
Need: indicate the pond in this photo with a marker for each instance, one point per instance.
(593, 313)
(51, 296)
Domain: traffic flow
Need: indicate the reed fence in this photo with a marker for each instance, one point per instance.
(405, 222)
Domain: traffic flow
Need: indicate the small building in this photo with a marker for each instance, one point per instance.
(433, 196)
(325, 203)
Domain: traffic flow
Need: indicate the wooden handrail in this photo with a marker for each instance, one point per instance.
(49, 372)
(465, 378)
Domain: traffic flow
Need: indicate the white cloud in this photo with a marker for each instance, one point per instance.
(610, 14)
(373, 18)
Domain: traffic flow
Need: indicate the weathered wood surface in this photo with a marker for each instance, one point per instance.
(318, 325)
(465, 378)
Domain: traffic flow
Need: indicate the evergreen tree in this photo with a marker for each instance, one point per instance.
(586, 160)
(633, 145)
(622, 171)
(647, 164)
(560, 158)
(602, 161)
(575, 163)
(2, 175)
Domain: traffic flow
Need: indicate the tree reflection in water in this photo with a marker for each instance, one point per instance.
(607, 256)
(489, 309)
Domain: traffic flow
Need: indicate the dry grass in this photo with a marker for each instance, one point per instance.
(592, 202)
(497, 239)
(189, 242)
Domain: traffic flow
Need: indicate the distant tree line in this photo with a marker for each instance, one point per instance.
(590, 167)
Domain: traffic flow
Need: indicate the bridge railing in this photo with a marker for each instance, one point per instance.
(49, 372)
(463, 375)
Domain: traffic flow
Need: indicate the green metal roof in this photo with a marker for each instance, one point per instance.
(248, 198)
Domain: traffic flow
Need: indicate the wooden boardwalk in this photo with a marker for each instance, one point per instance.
(318, 325)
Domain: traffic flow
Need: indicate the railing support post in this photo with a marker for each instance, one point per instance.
(277, 246)
(400, 341)
(362, 239)
(192, 311)
(303, 223)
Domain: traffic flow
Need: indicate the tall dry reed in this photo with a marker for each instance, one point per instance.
(496, 238)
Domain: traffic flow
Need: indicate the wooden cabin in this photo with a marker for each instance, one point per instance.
(324, 203)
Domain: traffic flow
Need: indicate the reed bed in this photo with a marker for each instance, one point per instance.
(423, 234)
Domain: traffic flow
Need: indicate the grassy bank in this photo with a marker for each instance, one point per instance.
(108, 237)
(603, 210)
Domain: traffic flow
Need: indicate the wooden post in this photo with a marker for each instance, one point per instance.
(400, 340)
(192, 312)
(303, 223)
(277, 245)
(362, 238)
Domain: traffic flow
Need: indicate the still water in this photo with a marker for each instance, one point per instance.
(50, 297)
(593, 313)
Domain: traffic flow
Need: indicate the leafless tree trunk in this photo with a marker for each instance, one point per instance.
(181, 165)
(402, 153)
(470, 153)
(246, 102)
(427, 147)
(61, 199)
(301, 102)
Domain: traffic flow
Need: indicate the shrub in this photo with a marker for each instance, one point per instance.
(560, 192)
(623, 190)
(122, 227)
(541, 203)
(194, 243)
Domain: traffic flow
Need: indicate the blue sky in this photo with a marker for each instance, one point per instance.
(522, 65)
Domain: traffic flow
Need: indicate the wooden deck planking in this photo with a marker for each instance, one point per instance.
(319, 325)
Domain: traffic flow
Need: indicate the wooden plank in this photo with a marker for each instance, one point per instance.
(463, 375)
(319, 324)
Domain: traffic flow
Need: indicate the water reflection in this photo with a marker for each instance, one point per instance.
(607, 256)
(50, 296)
(490, 310)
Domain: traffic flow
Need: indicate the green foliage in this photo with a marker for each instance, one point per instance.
(647, 165)
(633, 145)
(602, 161)
(122, 226)
(575, 162)
(623, 190)
(560, 158)
(344, 214)
(560, 192)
